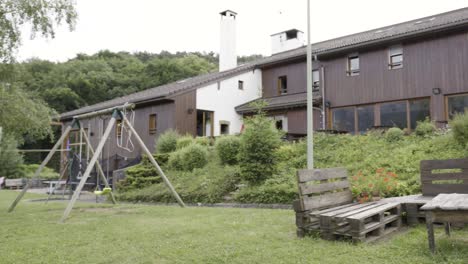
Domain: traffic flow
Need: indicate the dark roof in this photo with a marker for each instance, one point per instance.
(426, 25)
(278, 102)
(161, 92)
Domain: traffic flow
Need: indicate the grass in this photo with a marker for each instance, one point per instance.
(166, 234)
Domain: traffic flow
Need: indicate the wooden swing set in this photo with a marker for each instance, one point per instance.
(117, 113)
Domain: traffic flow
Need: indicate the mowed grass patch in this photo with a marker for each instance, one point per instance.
(169, 234)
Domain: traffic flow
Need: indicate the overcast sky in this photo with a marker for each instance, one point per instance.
(189, 25)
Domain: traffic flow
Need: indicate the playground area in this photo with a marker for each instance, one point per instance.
(105, 233)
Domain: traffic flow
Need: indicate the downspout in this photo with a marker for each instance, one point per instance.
(322, 82)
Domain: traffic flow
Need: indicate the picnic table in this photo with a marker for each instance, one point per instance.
(53, 185)
(445, 208)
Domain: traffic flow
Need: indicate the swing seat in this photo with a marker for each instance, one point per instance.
(98, 192)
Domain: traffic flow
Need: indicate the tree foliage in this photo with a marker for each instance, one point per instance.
(42, 15)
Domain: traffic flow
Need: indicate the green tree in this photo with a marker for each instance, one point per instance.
(42, 15)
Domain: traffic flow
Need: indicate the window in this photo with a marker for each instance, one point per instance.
(395, 57)
(281, 122)
(118, 128)
(456, 104)
(365, 115)
(282, 85)
(394, 114)
(353, 65)
(291, 34)
(315, 80)
(152, 123)
(224, 127)
(205, 123)
(241, 85)
(419, 111)
(343, 119)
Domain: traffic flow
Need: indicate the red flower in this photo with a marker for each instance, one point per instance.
(380, 170)
(386, 179)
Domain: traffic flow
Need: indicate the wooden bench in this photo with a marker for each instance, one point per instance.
(326, 205)
(14, 183)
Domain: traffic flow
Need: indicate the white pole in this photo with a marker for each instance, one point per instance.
(310, 113)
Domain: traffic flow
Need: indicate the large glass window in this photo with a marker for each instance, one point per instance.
(419, 111)
(394, 114)
(365, 118)
(343, 119)
(456, 104)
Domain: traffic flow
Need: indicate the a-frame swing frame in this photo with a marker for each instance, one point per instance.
(116, 113)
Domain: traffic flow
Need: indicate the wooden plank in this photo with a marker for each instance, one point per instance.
(321, 174)
(374, 211)
(429, 165)
(324, 187)
(315, 213)
(347, 209)
(448, 202)
(435, 189)
(357, 211)
(328, 199)
(429, 177)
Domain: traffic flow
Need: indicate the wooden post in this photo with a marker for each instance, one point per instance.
(99, 168)
(41, 167)
(88, 169)
(153, 161)
(430, 231)
(447, 228)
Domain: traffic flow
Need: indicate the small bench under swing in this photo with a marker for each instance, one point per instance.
(116, 113)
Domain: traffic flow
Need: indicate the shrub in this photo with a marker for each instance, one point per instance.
(204, 141)
(259, 142)
(167, 142)
(184, 141)
(424, 128)
(459, 125)
(189, 158)
(140, 176)
(227, 148)
(28, 170)
(10, 158)
(282, 190)
(394, 134)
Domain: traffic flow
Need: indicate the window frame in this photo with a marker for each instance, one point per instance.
(350, 72)
(316, 83)
(282, 90)
(395, 51)
(240, 85)
(152, 129)
(447, 116)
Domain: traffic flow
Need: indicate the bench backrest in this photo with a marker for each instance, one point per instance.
(323, 188)
(444, 176)
(14, 182)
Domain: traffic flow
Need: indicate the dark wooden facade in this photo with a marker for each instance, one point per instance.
(439, 61)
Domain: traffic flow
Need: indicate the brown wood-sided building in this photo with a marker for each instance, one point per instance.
(391, 76)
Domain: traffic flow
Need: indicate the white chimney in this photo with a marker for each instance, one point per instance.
(286, 40)
(227, 53)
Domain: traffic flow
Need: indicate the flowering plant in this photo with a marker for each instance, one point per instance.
(381, 183)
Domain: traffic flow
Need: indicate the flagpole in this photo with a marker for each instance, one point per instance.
(310, 114)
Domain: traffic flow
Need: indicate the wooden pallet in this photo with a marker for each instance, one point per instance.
(359, 222)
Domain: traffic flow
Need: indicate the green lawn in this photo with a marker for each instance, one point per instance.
(166, 234)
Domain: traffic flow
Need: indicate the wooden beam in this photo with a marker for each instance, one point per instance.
(41, 167)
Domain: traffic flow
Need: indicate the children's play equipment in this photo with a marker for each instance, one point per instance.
(117, 113)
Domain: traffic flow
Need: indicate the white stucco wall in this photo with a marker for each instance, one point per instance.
(227, 51)
(223, 100)
(280, 43)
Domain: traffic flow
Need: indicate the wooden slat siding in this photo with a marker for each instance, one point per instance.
(186, 113)
(429, 165)
(329, 199)
(324, 187)
(321, 174)
(373, 211)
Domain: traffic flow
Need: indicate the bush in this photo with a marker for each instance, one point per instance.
(167, 142)
(259, 142)
(10, 158)
(459, 125)
(424, 128)
(28, 170)
(189, 158)
(140, 176)
(227, 148)
(394, 134)
(184, 141)
(204, 141)
(282, 190)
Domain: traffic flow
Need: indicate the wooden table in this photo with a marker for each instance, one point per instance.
(445, 208)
